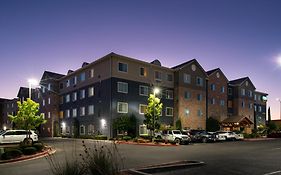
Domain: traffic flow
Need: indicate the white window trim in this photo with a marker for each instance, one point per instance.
(92, 73)
(167, 94)
(140, 90)
(122, 111)
(141, 105)
(140, 72)
(167, 111)
(119, 82)
(157, 79)
(75, 109)
(89, 110)
(184, 80)
(82, 126)
(89, 90)
(122, 71)
(80, 114)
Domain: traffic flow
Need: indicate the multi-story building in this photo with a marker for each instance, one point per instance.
(87, 100)
(97, 93)
(217, 95)
(190, 95)
(260, 100)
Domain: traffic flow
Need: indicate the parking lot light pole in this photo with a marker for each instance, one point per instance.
(30, 83)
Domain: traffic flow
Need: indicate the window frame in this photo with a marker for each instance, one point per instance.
(122, 112)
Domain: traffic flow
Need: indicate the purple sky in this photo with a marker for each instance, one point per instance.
(243, 38)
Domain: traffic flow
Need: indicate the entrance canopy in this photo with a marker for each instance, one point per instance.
(237, 121)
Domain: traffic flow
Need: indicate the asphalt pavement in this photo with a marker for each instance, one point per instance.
(238, 157)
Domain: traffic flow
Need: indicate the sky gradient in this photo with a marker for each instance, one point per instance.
(243, 38)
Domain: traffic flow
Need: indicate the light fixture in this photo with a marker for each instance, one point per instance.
(4, 128)
(156, 90)
(103, 122)
(63, 124)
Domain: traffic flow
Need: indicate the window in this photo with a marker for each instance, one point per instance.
(199, 97)
(123, 67)
(43, 102)
(74, 112)
(91, 91)
(142, 108)
(122, 87)
(250, 105)
(82, 93)
(255, 97)
(158, 75)
(199, 113)
(259, 108)
(74, 96)
(43, 89)
(229, 105)
(90, 109)
(222, 102)
(67, 129)
(169, 94)
(49, 86)
(250, 93)
(213, 87)
(82, 129)
(255, 108)
(61, 114)
(187, 112)
(74, 80)
(229, 91)
(243, 104)
(199, 81)
(67, 113)
(169, 77)
(92, 73)
(49, 114)
(143, 72)
(38, 95)
(213, 101)
(187, 95)
(243, 92)
(143, 90)
(67, 98)
(91, 129)
(186, 78)
(169, 111)
(82, 76)
(43, 115)
(122, 107)
(222, 89)
(67, 83)
(61, 85)
(49, 100)
(82, 111)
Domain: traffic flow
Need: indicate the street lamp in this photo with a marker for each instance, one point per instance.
(30, 83)
(278, 99)
(155, 91)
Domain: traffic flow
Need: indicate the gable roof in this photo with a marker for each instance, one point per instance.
(51, 75)
(237, 119)
(210, 72)
(180, 66)
(24, 92)
(240, 81)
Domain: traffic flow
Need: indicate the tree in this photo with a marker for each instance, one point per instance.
(152, 113)
(269, 115)
(27, 117)
(212, 124)
(126, 123)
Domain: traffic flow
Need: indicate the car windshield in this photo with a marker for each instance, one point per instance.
(184, 133)
(176, 132)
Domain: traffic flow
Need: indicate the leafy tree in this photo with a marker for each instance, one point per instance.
(126, 123)
(178, 124)
(269, 115)
(152, 113)
(27, 117)
(212, 124)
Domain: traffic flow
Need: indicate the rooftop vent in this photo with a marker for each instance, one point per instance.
(69, 72)
(156, 62)
(85, 64)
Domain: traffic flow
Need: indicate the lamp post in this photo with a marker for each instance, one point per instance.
(278, 99)
(30, 83)
(155, 91)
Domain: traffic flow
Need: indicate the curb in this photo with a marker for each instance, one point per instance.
(144, 144)
(258, 139)
(171, 166)
(30, 157)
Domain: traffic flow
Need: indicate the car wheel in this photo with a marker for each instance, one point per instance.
(177, 141)
(27, 141)
(204, 140)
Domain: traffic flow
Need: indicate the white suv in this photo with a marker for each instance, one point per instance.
(230, 135)
(175, 136)
(16, 136)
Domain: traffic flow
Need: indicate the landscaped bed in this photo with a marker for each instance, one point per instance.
(22, 151)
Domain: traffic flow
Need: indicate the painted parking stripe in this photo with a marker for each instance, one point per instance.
(275, 172)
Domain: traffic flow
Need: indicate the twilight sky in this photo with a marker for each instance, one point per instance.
(241, 37)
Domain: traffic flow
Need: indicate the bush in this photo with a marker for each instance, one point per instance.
(101, 137)
(29, 150)
(126, 138)
(38, 146)
(11, 154)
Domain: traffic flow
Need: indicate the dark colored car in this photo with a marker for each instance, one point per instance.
(202, 136)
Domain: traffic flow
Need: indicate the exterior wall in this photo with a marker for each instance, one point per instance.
(260, 109)
(187, 109)
(218, 110)
(10, 107)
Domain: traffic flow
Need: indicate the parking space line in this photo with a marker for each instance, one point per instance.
(275, 172)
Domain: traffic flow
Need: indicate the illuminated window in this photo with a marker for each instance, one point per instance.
(74, 112)
(90, 109)
(91, 91)
(82, 111)
(142, 108)
(122, 107)
(82, 93)
(143, 90)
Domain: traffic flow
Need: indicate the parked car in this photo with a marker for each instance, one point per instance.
(203, 136)
(173, 136)
(219, 137)
(16, 136)
(229, 135)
